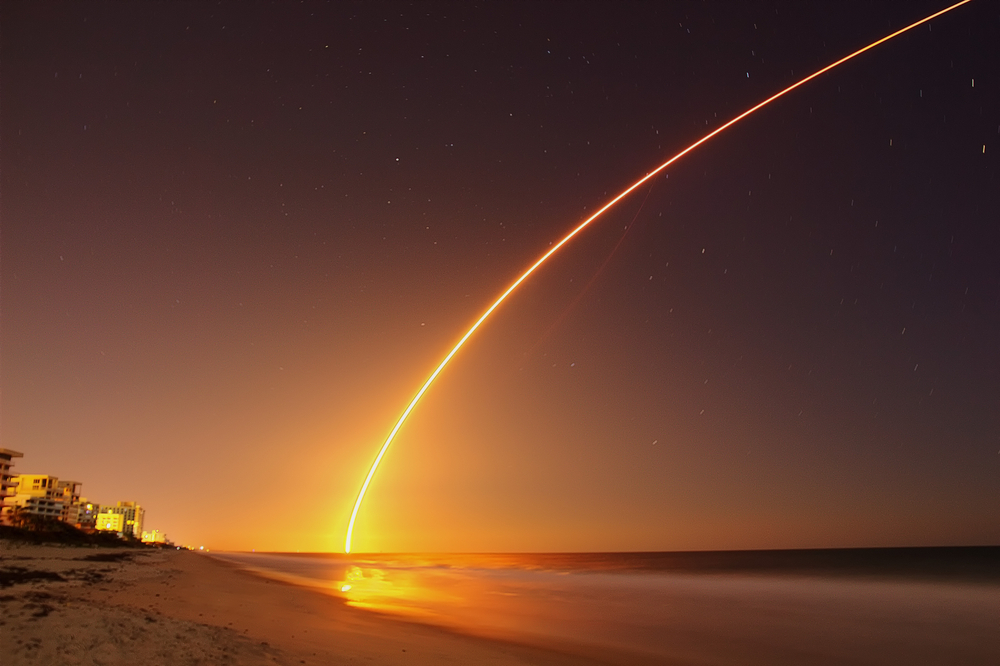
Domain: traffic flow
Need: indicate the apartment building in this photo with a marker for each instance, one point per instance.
(129, 523)
(7, 483)
(39, 495)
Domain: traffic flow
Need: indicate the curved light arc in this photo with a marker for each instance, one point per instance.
(583, 225)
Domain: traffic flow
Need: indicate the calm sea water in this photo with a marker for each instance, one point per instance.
(869, 606)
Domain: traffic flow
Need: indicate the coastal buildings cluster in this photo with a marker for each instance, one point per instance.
(27, 499)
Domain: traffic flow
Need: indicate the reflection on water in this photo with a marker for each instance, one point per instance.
(707, 608)
(397, 591)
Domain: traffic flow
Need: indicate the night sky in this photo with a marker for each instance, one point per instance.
(236, 238)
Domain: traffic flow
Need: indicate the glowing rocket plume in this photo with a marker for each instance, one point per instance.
(581, 227)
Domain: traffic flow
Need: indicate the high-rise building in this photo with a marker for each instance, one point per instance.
(86, 514)
(42, 496)
(70, 495)
(132, 514)
(7, 483)
(108, 521)
(39, 496)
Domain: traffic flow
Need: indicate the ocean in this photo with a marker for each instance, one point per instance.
(844, 606)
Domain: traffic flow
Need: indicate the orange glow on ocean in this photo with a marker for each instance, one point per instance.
(728, 607)
(399, 592)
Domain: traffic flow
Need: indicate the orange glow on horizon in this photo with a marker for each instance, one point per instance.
(580, 227)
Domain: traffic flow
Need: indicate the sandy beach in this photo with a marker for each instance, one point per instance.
(85, 605)
(108, 606)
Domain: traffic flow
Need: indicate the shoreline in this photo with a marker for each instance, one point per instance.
(86, 605)
(860, 606)
(75, 605)
(976, 565)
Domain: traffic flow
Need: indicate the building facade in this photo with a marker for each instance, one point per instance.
(30, 500)
(7, 483)
(154, 536)
(69, 492)
(132, 517)
(110, 522)
(39, 496)
(86, 514)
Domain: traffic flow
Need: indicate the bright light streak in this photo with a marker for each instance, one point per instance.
(583, 225)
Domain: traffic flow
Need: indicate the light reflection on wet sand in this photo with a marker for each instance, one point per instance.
(705, 618)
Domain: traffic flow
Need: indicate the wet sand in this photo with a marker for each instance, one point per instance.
(865, 607)
(100, 606)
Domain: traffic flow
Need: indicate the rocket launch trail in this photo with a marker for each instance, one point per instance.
(583, 225)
